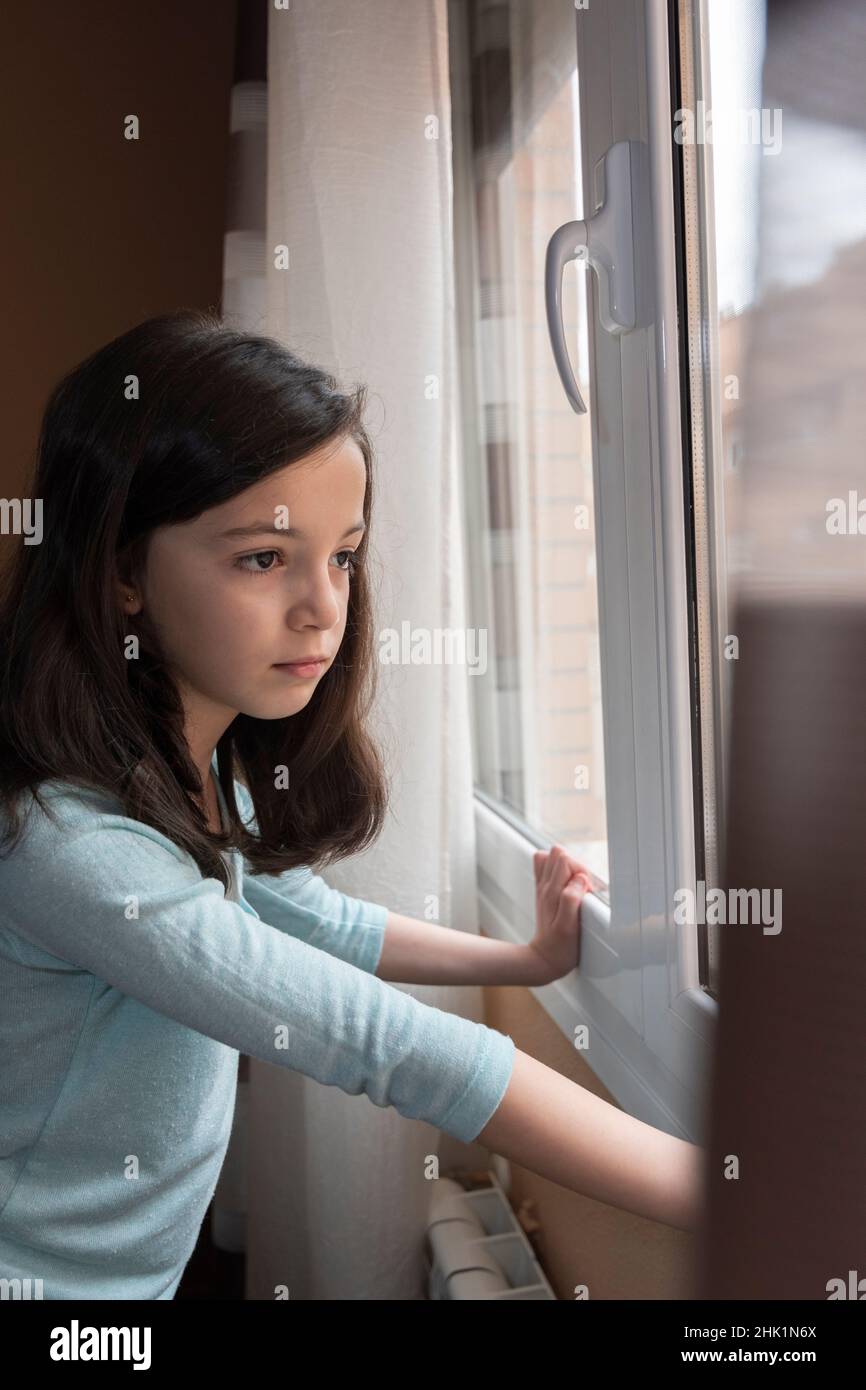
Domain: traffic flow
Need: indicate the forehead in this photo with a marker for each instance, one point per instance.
(318, 491)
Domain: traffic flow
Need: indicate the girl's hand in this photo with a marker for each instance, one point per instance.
(560, 884)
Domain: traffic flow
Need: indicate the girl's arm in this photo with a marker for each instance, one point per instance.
(546, 1122)
(416, 952)
(561, 1131)
(116, 898)
(407, 950)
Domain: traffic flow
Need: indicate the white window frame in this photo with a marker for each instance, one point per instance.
(650, 1022)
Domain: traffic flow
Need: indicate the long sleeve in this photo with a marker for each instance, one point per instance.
(301, 904)
(118, 899)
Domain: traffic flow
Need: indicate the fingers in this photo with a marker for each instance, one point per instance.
(576, 890)
(560, 873)
(554, 867)
(567, 920)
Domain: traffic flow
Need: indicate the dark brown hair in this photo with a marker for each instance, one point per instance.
(217, 410)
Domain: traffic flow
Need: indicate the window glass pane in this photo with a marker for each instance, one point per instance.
(728, 140)
(531, 527)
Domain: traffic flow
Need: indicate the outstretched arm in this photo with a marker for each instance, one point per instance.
(545, 1122)
(561, 1131)
(408, 950)
(416, 952)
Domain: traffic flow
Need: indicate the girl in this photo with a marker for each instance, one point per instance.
(186, 661)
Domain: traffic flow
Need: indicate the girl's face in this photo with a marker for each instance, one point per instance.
(260, 580)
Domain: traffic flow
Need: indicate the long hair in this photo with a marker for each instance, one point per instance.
(219, 409)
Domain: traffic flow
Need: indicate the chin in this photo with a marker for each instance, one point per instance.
(277, 709)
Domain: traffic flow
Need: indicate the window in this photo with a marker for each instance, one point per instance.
(591, 628)
(537, 709)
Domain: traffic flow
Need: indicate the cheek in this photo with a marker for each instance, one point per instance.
(238, 613)
(200, 612)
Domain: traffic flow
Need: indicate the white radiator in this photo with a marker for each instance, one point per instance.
(477, 1248)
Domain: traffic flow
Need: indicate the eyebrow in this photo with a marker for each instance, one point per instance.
(256, 528)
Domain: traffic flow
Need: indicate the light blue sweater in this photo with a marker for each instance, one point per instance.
(128, 986)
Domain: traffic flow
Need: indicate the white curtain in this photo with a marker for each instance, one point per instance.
(359, 191)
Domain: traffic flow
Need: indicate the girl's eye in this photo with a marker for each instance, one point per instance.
(349, 568)
(241, 564)
(351, 562)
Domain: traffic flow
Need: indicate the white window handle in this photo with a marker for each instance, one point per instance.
(607, 243)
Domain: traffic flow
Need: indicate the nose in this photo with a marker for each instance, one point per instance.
(313, 601)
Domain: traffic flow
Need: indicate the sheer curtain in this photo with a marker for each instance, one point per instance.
(359, 194)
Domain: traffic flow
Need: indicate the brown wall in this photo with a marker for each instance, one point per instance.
(101, 232)
(581, 1241)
